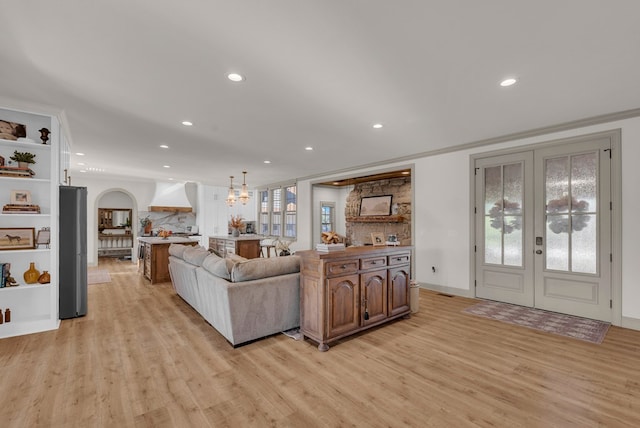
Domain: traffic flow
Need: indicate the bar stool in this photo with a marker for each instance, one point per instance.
(267, 244)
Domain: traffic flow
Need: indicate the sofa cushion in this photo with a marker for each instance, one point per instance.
(236, 258)
(218, 266)
(264, 268)
(177, 250)
(195, 255)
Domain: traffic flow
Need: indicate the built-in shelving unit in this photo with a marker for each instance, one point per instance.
(34, 307)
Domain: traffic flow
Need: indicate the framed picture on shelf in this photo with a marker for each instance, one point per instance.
(375, 205)
(20, 197)
(378, 239)
(44, 237)
(17, 238)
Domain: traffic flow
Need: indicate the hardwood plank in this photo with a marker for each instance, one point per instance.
(143, 357)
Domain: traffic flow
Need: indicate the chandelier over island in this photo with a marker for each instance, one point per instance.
(244, 192)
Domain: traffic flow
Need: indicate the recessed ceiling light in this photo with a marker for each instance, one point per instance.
(187, 123)
(508, 82)
(308, 148)
(83, 170)
(164, 146)
(79, 154)
(81, 163)
(235, 77)
(267, 161)
(377, 126)
(166, 166)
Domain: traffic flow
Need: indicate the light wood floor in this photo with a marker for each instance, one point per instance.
(143, 357)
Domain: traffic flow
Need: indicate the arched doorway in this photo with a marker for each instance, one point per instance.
(115, 214)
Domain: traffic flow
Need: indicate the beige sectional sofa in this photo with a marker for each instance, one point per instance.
(242, 299)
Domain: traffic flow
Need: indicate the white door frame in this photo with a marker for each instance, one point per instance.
(615, 136)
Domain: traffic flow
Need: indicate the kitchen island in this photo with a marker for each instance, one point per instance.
(247, 246)
(155, 256)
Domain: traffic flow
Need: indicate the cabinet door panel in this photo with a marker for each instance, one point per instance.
(374, 296)
(343, 295)
(398, 290)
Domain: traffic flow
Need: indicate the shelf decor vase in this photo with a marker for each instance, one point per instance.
(32, 274)
(235, 233)
(45, 278)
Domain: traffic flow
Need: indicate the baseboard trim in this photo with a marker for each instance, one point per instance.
(632, 323)
(448, 290)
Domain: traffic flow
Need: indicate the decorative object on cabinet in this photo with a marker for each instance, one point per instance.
(331, 238)
(146, 225)
(17, 238)
(44, 135)
(23, 158)
(44, 237)
(32, 274)
(375, 205)
(282, 247)
(11, 130)
(236, 224)
(20, 197)
(45, 278)
(20, 209)
(377, 238)
(14, 171)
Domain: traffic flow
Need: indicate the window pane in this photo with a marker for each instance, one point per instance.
(290, 225)
(513, 241)
(583, 182)
(276, 224)
(264, 201)
(264, 224)
(291, 198)
(557, 185)
(276, 200)
(493, 190)
(492, 241)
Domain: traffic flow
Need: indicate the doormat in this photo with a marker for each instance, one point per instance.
(585, 329)
(98, 276)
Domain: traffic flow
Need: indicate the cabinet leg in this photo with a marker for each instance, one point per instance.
(323, 347)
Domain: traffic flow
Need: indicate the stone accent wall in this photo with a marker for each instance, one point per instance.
(359, 233)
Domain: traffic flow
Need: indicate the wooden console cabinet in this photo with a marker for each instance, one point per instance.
(244, 246)
(344, 292)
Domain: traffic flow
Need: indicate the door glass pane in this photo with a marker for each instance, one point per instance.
(557, 185)
(557, 248)
(492, 241)
(583, 182)
(503, 196)
(583, 245)
(513, 241)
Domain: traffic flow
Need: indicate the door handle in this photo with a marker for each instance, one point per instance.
(538, 251)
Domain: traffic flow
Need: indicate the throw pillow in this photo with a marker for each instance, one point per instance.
(177, 250)
(218, 266)
(195, 255)
(264, 268)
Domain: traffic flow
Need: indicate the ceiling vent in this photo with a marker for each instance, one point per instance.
(171, 197)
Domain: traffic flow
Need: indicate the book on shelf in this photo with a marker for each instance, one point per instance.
(20, 209)
(330, 247)
(14, 171)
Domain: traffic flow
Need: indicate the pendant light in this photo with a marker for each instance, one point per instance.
(244, 193)
(231, 198)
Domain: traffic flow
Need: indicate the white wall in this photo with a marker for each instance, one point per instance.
(442, 213)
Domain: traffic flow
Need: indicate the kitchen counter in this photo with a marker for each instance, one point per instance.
(247, 246)
(169, 240)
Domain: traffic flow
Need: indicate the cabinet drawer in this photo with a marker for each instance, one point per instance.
(342, 268)
(399, 259)
(374, 262)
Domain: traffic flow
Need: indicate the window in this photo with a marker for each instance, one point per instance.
(278, 211)
(327, 216)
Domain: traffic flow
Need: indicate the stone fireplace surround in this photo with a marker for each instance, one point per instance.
(359, 229)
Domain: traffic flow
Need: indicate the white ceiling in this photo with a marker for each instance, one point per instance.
(318, 73)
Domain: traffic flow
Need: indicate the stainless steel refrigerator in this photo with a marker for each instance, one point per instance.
(72, 245)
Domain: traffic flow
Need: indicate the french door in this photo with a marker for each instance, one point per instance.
(543, 228)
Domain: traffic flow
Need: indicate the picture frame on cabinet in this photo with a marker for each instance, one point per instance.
(377, 238)
(44, 237)
(17, 238)
(20, 197)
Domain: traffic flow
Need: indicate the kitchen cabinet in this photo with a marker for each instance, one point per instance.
(345, 292)
(155, 257)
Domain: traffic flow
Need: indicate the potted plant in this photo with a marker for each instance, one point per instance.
(146, 225)
(23, 158)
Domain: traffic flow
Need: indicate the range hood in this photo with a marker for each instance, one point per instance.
(171, 197)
